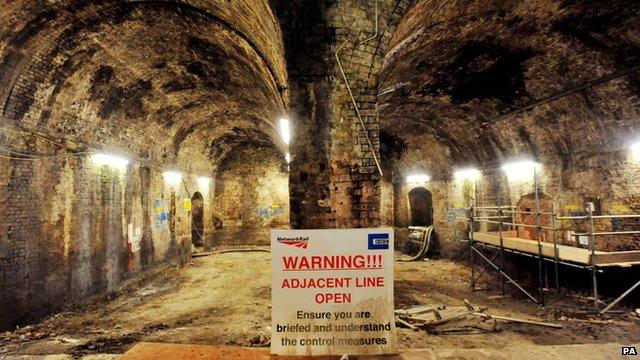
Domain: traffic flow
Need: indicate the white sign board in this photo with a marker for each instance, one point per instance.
(332, 292)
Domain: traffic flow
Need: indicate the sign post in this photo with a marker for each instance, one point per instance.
(332, 292)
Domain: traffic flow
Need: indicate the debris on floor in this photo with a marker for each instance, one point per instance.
(225, 299)
(223, 250)
(261, 340)
(23, 334)
(441, 319)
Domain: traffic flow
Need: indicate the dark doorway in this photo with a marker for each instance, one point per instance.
(197, 219)
(421, 207)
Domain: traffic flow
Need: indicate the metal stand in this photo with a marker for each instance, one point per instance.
(556, 254)
(592, 248)
(500, 215)
(507, 212)
(505, 278)
(504, 211)
(617, 300)
(593, 266)
(538, 230)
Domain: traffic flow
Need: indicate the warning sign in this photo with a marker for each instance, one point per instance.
(332, 292)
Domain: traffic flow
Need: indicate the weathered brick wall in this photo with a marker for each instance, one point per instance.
(456, 88)
(74, 229)
(334, 179)
(252, 192)
(174, 85)
(424, 153)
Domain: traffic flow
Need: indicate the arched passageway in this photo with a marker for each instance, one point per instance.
(197, 219)
(421, 207)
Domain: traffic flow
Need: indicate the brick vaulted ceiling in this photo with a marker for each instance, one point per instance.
(206, 76)
(494, 79)
(484, 79)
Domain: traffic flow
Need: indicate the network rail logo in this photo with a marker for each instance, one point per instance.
(301, 242)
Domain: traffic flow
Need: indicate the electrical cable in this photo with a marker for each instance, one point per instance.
(601, 80)
(16, 155)
(10, 154)
(224, 251)
(33, 133)
(425, 241)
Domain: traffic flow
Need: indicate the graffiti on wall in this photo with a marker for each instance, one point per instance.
(455, 214)
(162, 216)
(621, 209)
(5, 251)
(570, 208)
(270, 212)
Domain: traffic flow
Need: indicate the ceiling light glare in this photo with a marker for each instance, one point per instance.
(418, 178)
(204, 182)
(635, 151)
(287, 156)
(102, 159)
(285, 130)
(172, 177)
(521, 170)
(467, 174)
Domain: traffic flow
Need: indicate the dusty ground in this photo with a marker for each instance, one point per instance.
(224, 299)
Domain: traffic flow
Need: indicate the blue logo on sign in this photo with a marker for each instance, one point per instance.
(378, 241)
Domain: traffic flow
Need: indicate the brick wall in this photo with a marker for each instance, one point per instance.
(334, 180)
(74, 230)
(454, 93)
(171, 85)
(251, 194)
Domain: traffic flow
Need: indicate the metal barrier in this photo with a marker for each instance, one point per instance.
(502, 214)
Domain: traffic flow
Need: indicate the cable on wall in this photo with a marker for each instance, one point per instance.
(353, 99)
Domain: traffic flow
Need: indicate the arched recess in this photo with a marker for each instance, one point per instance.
(529, 205)
(197, 219)
(251, 195)
(421, 207)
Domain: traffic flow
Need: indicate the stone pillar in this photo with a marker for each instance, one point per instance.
(334, 180)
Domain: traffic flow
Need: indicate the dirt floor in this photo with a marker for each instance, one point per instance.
(224, 299)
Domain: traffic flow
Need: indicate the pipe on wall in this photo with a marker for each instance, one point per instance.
(353, 99)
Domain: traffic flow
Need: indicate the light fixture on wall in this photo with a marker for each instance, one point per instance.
(102, 159)
(418, 178)
(204, 182)
(635, 151)
(285, 130)
(172, 177)
(467, 174)
(520, 170)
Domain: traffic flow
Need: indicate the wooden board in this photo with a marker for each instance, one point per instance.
(565, 253)
(193, 352)
(617, 257)
(147, 351)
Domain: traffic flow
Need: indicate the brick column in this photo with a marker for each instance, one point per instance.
(334, 181)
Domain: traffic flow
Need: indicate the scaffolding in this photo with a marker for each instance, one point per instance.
(584, 258)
